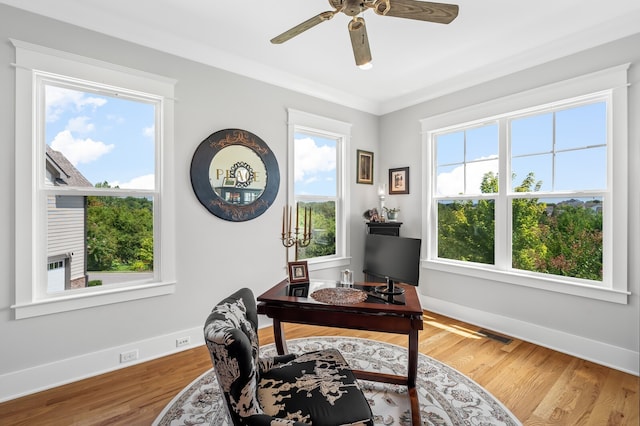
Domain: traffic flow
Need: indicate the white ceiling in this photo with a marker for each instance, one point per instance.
(413, 61)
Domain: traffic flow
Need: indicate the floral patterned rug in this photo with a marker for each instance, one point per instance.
(446, 396)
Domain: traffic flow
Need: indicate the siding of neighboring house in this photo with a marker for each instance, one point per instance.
(66, 234)
(66, 223)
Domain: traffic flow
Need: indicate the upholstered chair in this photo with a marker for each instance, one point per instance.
(312, 388)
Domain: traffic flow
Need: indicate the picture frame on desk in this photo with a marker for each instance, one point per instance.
(298, 272)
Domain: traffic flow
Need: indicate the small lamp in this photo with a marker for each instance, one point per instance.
(382, 190)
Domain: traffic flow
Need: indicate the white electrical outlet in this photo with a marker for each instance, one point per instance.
(129, 356)
(183, 341)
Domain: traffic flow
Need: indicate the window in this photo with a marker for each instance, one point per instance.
(91, 141)
(317, 150)
(98, 185)
(529, 195)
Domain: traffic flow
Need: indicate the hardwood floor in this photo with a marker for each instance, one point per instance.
(538, 385)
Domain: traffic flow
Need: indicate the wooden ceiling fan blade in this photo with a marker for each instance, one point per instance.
(440, 13)
(306, 25)
(359, 41)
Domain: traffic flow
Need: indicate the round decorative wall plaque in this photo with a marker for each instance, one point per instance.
(235, 175)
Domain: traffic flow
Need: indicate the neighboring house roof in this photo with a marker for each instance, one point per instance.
(67, 174)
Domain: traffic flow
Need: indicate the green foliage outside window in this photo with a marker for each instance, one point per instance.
(323, 219)
(559, 238)
(119, 233)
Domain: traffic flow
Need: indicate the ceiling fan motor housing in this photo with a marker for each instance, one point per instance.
(349, 7)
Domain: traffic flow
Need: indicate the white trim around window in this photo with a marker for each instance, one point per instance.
(299, 121)
(32, 60)
(612, 81)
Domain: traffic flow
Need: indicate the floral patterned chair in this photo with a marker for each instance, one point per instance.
(316, 387)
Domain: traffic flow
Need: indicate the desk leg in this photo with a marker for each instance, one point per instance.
(280, 340)
(412, 372)
(412, 368)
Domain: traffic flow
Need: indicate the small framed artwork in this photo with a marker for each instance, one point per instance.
(399, 180)
(298, 272)
(229, 181)
(364, 166)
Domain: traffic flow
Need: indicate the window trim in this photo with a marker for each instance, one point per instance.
(299, 121)
(612, 80)
(31, 60)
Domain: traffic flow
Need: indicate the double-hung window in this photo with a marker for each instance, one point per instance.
(536, 193)
(94, 198)
(317, 147)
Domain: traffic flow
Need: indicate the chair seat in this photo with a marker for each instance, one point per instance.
(316, 387)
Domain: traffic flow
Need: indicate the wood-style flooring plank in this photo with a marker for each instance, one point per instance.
(539, 386)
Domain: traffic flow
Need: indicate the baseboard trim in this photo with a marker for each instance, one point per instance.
(42, 377)
(591, 350)
(46, 376)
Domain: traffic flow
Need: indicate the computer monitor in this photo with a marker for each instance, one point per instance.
(395, 259)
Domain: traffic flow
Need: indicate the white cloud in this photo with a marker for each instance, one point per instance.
(149, 132)
(452, 182)
(311, 159)
(79, 151)
(59, 100)
(140, 182)
(80, 125)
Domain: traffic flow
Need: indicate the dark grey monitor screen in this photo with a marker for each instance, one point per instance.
(397, 258)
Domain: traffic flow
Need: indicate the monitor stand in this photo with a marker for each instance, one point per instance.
(390, 289)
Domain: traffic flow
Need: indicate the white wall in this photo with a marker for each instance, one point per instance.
(601, 331)
(214, 257)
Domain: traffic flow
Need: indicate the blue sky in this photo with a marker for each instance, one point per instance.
(315, 162)
(106, 138)
(112, 139)
(580, 155)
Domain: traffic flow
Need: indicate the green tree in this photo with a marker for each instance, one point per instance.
(574, 241)
(527, 245)
(119, 232)
(466, 229)
(563, 239)
(323, 218)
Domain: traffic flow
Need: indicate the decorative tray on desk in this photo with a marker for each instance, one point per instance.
(339, 296)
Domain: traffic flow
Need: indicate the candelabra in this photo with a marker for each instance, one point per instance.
(291, 235)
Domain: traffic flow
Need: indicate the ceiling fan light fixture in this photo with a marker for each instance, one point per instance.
(366, 66)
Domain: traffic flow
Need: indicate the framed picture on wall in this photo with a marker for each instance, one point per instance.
(399, 181)
(364, 166)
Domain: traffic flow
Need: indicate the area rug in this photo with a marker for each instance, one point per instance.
(446, 396)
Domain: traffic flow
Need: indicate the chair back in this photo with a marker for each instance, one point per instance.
(231, 336)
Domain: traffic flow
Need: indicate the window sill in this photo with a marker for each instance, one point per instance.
(549, 284)
(91, 299)
(318, 264)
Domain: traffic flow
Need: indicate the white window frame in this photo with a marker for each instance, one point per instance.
(303, 122)
(608, 84)
(32, 63)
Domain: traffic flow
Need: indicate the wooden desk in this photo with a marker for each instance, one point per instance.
(400, 314)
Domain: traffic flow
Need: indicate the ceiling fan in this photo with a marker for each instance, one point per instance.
(411, 9)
